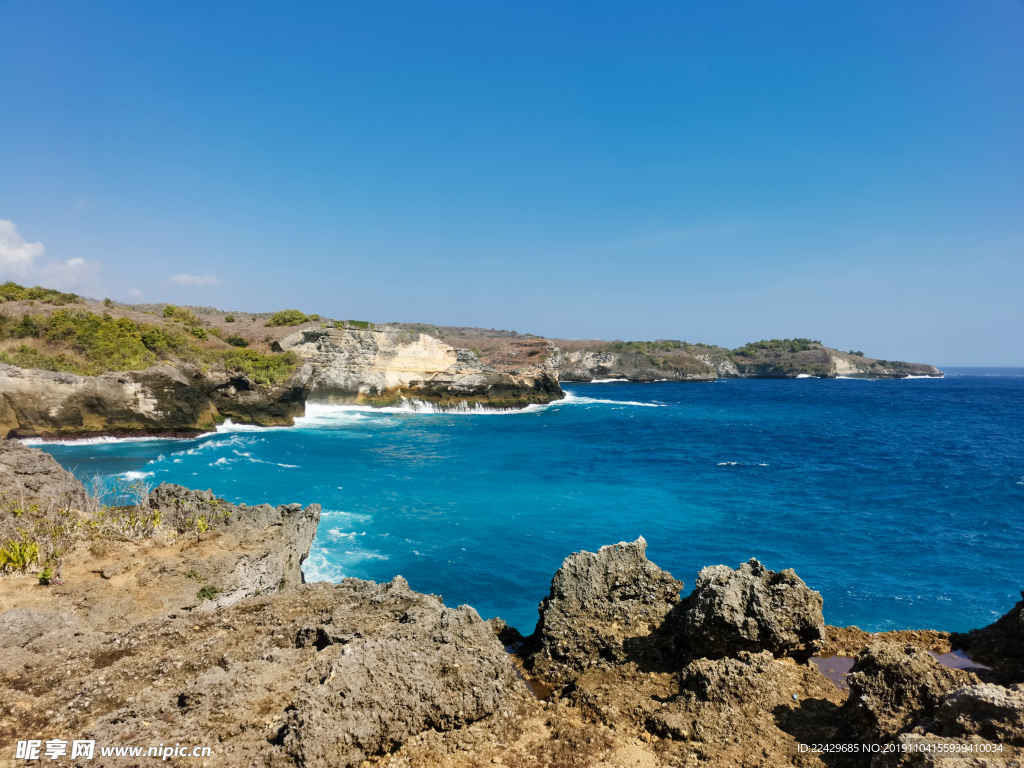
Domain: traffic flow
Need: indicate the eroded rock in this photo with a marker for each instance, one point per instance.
(990, 711)
(753, 609)
(598, 602)
(893, 687)
(433, 667)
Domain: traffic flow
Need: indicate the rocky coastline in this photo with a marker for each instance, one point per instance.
(72, 367)
(198, 628)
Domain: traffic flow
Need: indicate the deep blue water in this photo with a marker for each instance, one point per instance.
(902, 502)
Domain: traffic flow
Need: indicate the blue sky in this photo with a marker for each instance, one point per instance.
(717, 171)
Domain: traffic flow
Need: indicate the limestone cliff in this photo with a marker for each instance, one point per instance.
(634, 361)
(387, 365)
(162, 399)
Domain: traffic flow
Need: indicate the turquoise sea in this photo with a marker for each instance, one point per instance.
(902, 502)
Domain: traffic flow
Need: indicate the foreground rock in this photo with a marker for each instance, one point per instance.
(28, 475)
(753, 609)
(893, 688)
(600, 607)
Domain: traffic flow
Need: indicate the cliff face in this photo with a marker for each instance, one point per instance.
(821, 361)
(634, 361)
(162, 399)
(386, 365)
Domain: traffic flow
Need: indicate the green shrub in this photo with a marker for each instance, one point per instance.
(229, 319)
(287, 317)
(361, 325)
(167, 342)
(27, 357)
(169, 310)
(10, 291)
(198, 332)
(18, 555)
(208, 592)
(776, 345)
(28, 327)
(109, 344)
(236, 341)
(261, 368)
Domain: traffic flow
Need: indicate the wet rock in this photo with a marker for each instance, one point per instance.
(597, 604)
(990, 711)
(893, 687)
(753, 609)
(506, 635)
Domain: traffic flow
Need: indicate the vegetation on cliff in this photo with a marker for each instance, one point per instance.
(77, 340)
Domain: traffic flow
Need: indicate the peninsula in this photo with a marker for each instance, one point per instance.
(71, 366)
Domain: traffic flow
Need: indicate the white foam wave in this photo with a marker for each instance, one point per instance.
(728, 463)
(804, 376)
(105, 440)
(320, 412)
(318, 567)
(571, 399)
(610, 381)
(136, 475)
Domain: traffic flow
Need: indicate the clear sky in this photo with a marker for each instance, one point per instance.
(708, 171)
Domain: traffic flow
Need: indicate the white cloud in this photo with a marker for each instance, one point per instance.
(15, 254)
(134, 293)
(196, 281)
(71, 275)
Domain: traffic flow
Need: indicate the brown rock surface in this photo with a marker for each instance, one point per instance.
(894, 687)
(753, 609)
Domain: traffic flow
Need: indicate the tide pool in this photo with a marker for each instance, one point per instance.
(902, 502)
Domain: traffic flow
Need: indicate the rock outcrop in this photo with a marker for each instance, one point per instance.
(586, 361)
(753, 609)
(1000, 643)
(166, 399)
(405, 663)
(990, 711)
(892, 688)
(262, 548)
(387, 365)
(599, 603)
(28, 475)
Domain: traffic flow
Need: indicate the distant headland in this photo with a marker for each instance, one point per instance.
(72, 366)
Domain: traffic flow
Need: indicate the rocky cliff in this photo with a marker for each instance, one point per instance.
(387, 365)
(164, 399)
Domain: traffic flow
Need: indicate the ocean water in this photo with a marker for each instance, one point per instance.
(902, 502)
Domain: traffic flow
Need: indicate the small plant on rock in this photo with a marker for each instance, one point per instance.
(209, 592)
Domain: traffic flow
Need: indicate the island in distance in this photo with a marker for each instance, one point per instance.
(71, 366)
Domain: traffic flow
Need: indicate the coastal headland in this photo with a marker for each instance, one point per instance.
(73, 367)
(176, 618)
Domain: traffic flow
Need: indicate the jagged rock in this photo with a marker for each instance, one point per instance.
(597, 603)
(1000, 643)
(435, 667)
(274, 541)
(30, 475)
(753, 609)
(506, 635)
(990, 711)
(893, 687)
